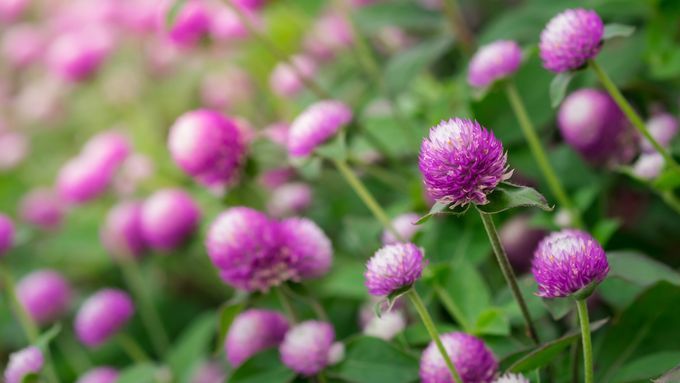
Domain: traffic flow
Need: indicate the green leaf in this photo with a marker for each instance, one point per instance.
(265, 367)
(333, 149)
(492, 321)
(346, 280)
(31, 378)
(558, 87)
(370, 360)
(442, 208)
(647, 367)
(140, 373)
(192, 345)
(640, 269)
(45, 338)
(558, 307)
(228, 313)
(405, 66)
(604, 230)
(375, 17)
(617, 30)
(173, 12)
(507, 196)
(669, 179)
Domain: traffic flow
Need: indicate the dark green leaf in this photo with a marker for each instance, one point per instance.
(507, 196)
(640, 269)
(617, 30)
(442, 208)
(672, 376)
(192, 345)
(173, 12)
(140, 373)
(647, 367)
(604, 229)
(228, 313)
(370, 360)
(669, 179)
(334, 149)
(492, 321)
(45, 338)
(346, 280)
(31, 378)
(558, 87)
(407, 15)
(405, 66)
(265, 367)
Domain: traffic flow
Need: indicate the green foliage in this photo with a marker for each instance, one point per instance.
(369, 360)
(264, 367)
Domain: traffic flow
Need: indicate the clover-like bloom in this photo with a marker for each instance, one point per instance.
(649, 165)
(208, 146)
(318, 123)
(83, 179)
(393, 267)
(512, 378)
(663, 127)
(289, 199)
(169, 217)
(102, 315)
(494, 62)
(24, 362)
(190, 25)
(307, 347)
(122, 231)
(462, 162)
(42, 208)
(404, 225)
(252, 331)
(76, 55)
(570, 39)
(6, 234)
(285, 79)
(45, 295)
(308, 247)
(109, 148)
(568, 261)
(102, 374)
(473, 360)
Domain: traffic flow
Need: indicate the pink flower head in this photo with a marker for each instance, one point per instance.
(331, 33)
(11, 10)
(99, 375)
(663, 127)
(24, 362)
(405, 225)
(472, 358)
(14, 147)
(289, 199)
(571, 39)
(102, 315)
(223, 89)
(392, 268)
(276, 177)
(190, 25)
(76, 55)
(45, 295)
(309, 248)
(122, 230)
(494, 62)
(318, 123)
(307, 346)
(253, 331)
(6, 234)
(277, 133)
(110, 148)
(42, 208)
(22, 45)
(285, 80)
(81, 180)
(226, 24)
(169, 217)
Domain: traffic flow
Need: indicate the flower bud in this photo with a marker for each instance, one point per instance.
(42, 208)
(405, 226)
(169, 217)
(494, 62)
(307, 346)
(316, 125)
(102, 315)
(121, 233)
(252, 331)
(392, 268)
(45, 295)
(99, 375)
(471, 357)
(571, 39)
(285, 80)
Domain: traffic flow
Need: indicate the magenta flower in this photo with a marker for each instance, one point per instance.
(462, 162)
(393, 267)
(77, 54)
(570, 39)
(99, 375)
(663, 127)
(285, 80)
(42, 208)
(45, 295)
(109, 148)
(405, 225)
(290, 199)
(649, 165)
(472, 358)
(253, 331)
(22, 45)
(330, 34)
(386, 326)
(307, 347)
(494, 62)
(102, 315)
(309, 248)
(169, 217)
(24, 362)
(121, 233)
(208, 146)
(318, 123)
(82, 179)
(276, 177)
(190, 25)
(10, 10)
(222, 89)
(6, 234)
(226, 25)
(568, 261)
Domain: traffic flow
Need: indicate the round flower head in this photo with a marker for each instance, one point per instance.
(24, 362)
(289, 199)
(316, 125)
(244, 244)
(169, 217)
(663, 127)
(404, 225)
(392, 268)
(308, 247)
(10, 10)
(570, 39)
(462, 162)
(76, 55)
(512, 378)
(190, 24)
(122, 230)
(306, 347)
(253, 331)
(99, 375)
(109, 148)
(6, 234)
(102, 315)
(42, 208)
(45, 295)
(592, 124)
(473, 360)
(568, 261)
(82, 179)
(285, 80)
(385, 326)
(22, 45)
(649, 165)
(493, 62)
(207, 145)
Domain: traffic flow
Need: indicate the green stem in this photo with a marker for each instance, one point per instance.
(585, 338)
(149, 314)
(132, 348)
(366, 197)
(74, 355)
(458, 25)
(429, 325)
(539, 154)
(670, 199)
(321, 377)
(628, 110)
(452, 307)
(285, 303)
(308, 299)
(508, 273)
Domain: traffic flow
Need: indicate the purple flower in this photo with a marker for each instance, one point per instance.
(42, 208)
(568, 261)
(649, 165)
(76, 55)
(331, 33)
(473, 360)
(494, 62)
(308, 247)
(663, 127)
(208, 146)
(316, 125)
(23, 45)
(45, 295)
(306, 347)
(570, 39)
(285, 80)
(190, 25)
(102, 315)
(109, 148)
(122, 230)
(512, 378)
(289, 199)
(6, 234)
(169, 217)
(519, 239)
(592, 124)
(24, 362)
(404, 225)
(82, 179)
(462, 162)
(252, 331)
(393, 267)
(99, 375)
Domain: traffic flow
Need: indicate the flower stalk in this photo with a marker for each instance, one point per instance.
(585, 340)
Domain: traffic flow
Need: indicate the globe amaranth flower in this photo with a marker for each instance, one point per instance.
(102, 315)
(309, 347)
(289, 199)
(75, 55)
(276, 177)
(330, 34)
(568, 261)
(663, 127)
(169, 217)
(226, 23)
(462, 162)
(494, 62)
(649, 165)
(42, 208)
(571, 39)
(6, 234)
(307, 246)
(519, 239)
(387, 325)
(109, 148)
(191, 23)
(404, 225)
(511, 378)
(121, 233)
(285, 79)
(22, 45)
(45, 295)
(82, 179)
(319, 122)
(27, 361)
(252, 331)
(102, 374)
(591, 123)
(472, 358)
(393, 267)
(208, 146)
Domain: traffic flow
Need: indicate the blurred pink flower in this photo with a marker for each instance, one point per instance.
(14, 147)
(22, 45)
